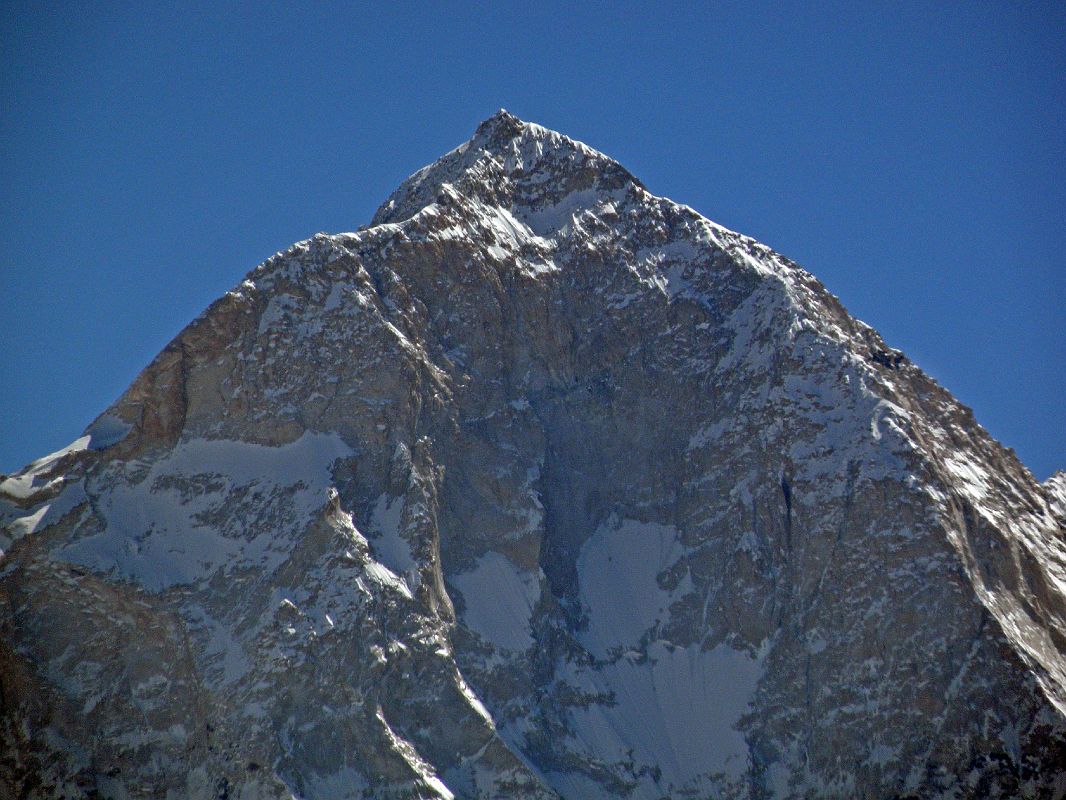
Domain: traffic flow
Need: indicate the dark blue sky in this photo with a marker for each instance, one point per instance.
(910, 156)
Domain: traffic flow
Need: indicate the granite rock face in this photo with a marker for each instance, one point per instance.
(539, 486)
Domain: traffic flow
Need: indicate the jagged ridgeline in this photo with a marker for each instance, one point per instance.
(540, 486)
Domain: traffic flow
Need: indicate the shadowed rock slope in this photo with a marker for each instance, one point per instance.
(540, 486)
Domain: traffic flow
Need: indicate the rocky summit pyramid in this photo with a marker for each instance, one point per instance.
(540, 486)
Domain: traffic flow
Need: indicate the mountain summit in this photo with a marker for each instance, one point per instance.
(540, 486)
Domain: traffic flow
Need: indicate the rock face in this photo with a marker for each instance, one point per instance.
(540, 486)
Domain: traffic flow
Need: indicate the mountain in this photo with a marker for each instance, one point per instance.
(539, 486)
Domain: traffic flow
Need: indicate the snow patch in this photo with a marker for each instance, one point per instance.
(168, 527)
(107, 431)
(24, 484)
(678, 710)
(618, 570)
(390, 547)
(43, 515)
(499, 599)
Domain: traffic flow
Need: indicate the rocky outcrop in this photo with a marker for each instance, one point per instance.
(539, 486)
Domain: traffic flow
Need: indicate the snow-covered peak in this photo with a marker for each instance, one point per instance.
(540, 486)
(508, 163)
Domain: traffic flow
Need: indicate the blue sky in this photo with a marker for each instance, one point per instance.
(912, 156)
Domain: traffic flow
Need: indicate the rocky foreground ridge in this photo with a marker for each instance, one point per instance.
(539, 486)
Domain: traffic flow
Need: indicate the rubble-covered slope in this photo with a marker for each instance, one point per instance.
(539, 486)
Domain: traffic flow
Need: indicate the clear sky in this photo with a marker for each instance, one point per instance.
(912, 156)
